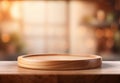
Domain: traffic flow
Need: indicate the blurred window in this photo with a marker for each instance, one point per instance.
(44, 26)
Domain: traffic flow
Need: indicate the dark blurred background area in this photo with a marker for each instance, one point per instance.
(60, 26)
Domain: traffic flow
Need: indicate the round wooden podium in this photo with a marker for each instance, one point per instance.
(59, 61)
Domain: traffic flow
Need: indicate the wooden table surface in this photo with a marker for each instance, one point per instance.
(108, 68)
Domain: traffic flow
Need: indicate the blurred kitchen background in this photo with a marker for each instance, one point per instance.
(60, 26)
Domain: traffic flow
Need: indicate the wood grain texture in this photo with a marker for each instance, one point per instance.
(11, 73)
(108, 68)
(59, 61)
(59, 78)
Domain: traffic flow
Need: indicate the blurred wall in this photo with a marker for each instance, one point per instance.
(82, 38)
